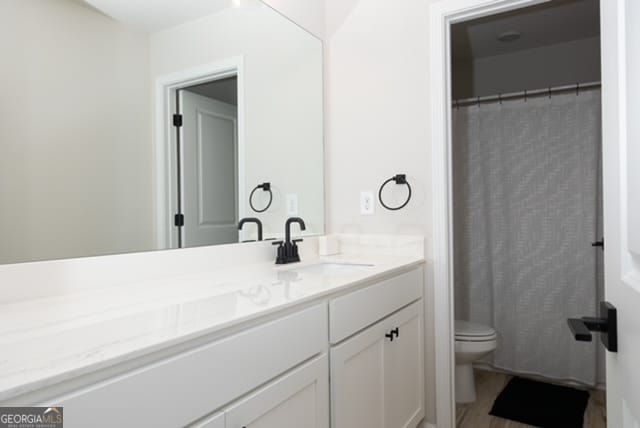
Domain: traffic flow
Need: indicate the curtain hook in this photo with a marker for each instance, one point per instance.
(549, 91)
(500, 98)
(577, 88)
(478, 101)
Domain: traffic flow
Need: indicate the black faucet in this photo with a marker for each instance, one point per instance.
(252, 220)
(288, 250)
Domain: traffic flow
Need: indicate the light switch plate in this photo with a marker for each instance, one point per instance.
(292, 204)
(367, 202)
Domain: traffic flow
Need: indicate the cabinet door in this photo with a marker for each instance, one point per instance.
(404, 370)
(377, 381)
(357, 380)
(297, 399)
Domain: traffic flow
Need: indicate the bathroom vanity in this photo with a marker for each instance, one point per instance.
(251, 345)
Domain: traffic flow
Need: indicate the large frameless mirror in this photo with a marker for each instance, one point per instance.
(126, 129)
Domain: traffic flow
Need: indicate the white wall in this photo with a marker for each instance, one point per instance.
(568, 63)
(309, 14)
(75, 169)
(377, 58)
(283, 100)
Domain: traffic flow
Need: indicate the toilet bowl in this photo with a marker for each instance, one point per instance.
(472, 342)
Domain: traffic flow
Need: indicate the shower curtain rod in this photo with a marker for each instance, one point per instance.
(525, 94)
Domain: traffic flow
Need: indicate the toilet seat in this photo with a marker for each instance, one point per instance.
(466, 331)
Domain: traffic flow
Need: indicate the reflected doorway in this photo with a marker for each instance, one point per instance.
(207, 163)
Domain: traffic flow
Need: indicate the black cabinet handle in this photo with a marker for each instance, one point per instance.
(389, 336)
(396, 331)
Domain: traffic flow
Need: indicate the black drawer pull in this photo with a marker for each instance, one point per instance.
(389, 336)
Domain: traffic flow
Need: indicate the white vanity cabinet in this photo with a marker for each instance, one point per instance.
(185, 388)
(348, 360)
(377, 374)
(299, 398)
(215, 421)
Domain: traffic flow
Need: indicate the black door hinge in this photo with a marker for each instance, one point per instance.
(178, 220)
(177, 120)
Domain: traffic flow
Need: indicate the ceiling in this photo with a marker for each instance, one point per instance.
(225, 90)
(155, 15)
(553, 22)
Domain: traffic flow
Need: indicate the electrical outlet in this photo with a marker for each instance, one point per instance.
(292, 204)
(367, 202)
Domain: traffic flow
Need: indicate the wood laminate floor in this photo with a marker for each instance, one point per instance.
(490, 384)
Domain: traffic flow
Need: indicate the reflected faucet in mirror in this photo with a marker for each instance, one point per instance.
(252, 220)
(288, 250)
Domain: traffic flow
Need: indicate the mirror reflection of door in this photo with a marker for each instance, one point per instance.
(209, 163)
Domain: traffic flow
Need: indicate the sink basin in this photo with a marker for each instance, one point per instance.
(331, 269)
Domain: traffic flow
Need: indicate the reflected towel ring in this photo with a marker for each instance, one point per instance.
(267, 188)
(399, 179)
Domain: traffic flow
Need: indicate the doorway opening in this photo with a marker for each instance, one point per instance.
(207, 163)
(526, 223)
(200, 152)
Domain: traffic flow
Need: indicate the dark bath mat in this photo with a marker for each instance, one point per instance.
(541, 404)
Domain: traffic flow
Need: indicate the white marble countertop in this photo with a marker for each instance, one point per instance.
(48, 340)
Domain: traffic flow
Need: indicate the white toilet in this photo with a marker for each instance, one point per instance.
(472, 341)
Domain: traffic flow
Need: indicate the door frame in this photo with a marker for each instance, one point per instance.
(165, 140)
(442, 15)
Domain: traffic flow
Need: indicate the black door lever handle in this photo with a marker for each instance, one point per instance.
(606, 325)
(579, 329)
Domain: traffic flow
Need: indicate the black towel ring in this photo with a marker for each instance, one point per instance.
(267, 188)
(399, 179)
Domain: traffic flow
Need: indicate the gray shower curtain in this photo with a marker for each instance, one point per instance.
(526, 209)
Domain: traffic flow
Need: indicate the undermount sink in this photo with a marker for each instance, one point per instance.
(331, 269)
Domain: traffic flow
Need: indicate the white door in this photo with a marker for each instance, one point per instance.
(209, 171)
(403, 374)
(621, 166)
(298, 399)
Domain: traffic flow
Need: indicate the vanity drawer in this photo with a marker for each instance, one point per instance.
(355, 311)
(184, 388)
